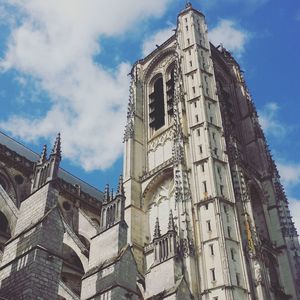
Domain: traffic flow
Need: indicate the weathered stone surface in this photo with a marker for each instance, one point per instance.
(201, 213)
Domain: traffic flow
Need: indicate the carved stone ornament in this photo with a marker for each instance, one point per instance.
(257, 272)
(164, 192)
(186, 247)
(129, 128)
(160, 140)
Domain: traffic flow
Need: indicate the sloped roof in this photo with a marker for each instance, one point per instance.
(30, 155)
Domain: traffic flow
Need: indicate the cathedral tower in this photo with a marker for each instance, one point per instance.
(196, 158)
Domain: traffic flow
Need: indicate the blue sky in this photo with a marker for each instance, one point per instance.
(64, 66)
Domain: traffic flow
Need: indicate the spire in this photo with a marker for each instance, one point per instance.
(106, 193)
(171, 225)
(57, 147)
(43, 156)
(156, 229)
(120, 190)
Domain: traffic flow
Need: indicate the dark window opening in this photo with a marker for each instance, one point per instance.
(72, 270)
(66, 205)
(213, 275)
(237, 279)
(219, 173)
(232, 251)
(208, 225)
(19, 179)
(229, 231)
(204, 187)
(259, 215)
(216, 151)
(272, 265)
(222, 189)
(157, 106)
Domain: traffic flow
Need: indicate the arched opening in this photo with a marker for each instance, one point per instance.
(84, 241)
(157, 105)
(259, 215)
(273, 273)
(161, 200)
(5, 232)
(72, 270)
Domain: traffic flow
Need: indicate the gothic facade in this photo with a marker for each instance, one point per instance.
(199, 212)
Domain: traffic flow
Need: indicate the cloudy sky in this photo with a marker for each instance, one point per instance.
(64, 66)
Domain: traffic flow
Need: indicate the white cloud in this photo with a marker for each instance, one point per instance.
(294, 205)
(269, 122)
(227, 33)
(156, 39)
(289, 173)
(55, 43)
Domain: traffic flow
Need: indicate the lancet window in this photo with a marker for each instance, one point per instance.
(161, 99)
(157, 105)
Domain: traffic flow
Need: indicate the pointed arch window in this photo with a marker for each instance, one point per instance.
(161, 99)
(157, 105)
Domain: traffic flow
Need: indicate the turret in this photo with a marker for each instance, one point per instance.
(46, 169)
(164, 245)
(113, 206)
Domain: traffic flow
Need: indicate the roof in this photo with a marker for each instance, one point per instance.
(63, 174)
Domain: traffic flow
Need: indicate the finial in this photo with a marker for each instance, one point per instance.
(156, 229)
(188, 4)
(43, 156)
(112, 194)
(106, 193)
(120, 190)
(171, 225)
(57, 147)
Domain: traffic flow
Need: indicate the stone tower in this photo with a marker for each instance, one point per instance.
(199, 213)
(207, 216)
